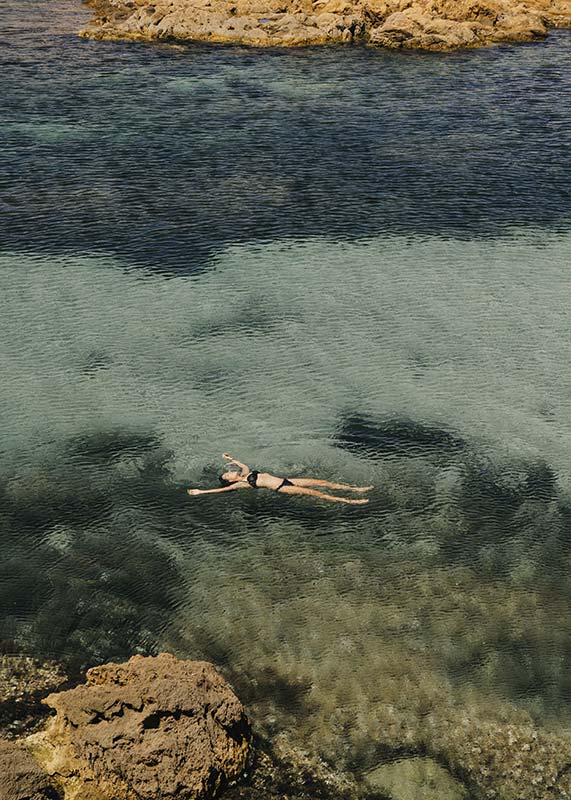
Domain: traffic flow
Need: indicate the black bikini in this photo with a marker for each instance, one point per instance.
(252, 478)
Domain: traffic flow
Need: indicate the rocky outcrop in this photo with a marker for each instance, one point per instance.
(22, 778)
(153, 727)
(409, 24)
(163, 727)
(446, 24)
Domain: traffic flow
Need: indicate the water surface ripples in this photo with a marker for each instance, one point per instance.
(339, 262)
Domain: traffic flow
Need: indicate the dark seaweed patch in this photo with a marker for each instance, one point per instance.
(288, 694)
(381, 438)
(107, 445)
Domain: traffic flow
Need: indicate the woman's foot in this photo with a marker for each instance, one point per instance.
(362, 488)
(357, 502)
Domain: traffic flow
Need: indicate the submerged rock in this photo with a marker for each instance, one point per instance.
(506, 761)
(419, 24)
(153, 727)
(410, 778)
(24, 682)
(430, 662)
(277, 770)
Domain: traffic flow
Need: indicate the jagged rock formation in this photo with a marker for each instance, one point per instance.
(153, 727)
(420, 24)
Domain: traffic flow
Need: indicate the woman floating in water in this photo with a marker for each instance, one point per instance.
(246, 478)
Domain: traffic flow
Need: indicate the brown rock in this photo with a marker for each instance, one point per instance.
(400, 21)
(342, 7)
(482, 11)
(455, 34)
(22, 778)
(396, 31)
(379, 8)
(448, 24)
(519, 28)
(148, 728)
(425, 24)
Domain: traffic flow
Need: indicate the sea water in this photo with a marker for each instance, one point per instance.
(338, 262)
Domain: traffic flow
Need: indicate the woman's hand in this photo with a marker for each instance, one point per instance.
(227, 457)
(194, 491)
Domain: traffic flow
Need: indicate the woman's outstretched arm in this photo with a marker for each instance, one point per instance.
(231, 488)
(244, 467)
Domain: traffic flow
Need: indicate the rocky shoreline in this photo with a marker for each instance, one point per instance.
(164, 727)
(152, 727)
(407, 24)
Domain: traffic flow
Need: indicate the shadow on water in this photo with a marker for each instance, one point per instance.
(82, 578)
(498, 516)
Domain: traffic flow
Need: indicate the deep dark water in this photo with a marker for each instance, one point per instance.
(163, 156)
(337, 262)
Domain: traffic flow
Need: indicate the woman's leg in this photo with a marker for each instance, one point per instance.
(328, 484)
(314, 493)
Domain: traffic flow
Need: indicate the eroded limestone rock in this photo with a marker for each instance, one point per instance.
(153, 727)
(448, 24)
(420, 24)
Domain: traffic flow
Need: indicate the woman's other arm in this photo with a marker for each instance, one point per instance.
(244, 467)
(231, 488)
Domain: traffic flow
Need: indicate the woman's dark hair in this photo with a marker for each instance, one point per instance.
(223, 481)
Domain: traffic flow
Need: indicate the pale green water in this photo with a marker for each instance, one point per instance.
(273, 345)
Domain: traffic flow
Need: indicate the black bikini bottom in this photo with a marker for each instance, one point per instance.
(285, 482)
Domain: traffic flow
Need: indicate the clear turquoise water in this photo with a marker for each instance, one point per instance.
(338, 262)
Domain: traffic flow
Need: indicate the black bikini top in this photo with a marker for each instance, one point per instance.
(252, 478)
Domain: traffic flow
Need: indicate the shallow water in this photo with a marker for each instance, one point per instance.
(338, 262)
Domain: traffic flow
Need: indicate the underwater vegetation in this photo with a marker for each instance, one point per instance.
(83, 577)
(373, 659)
(438, 623)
